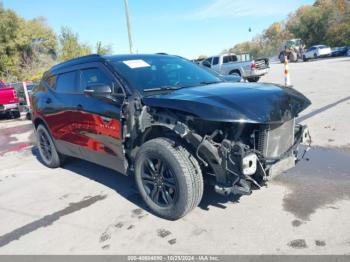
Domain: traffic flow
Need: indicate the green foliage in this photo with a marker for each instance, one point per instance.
(9, 57)
(70, 47)
(324, 22)
(30, 47)
(36, 45)
(103, 49)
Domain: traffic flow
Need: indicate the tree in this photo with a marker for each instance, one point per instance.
(27, 47)
(9, 58)
(338, 32)
(327, 22)
(103, 49)
(202, 57)
(324, 22)
(70, 47)
(36, 45)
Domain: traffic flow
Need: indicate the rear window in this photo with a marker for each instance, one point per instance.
(66, 83)
(2, 85)
(243, 57)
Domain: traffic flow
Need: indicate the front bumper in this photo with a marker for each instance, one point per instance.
(246, 166)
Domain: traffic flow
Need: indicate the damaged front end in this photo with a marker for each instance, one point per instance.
(238, 142)
(272, 149)
(239, 155)
(234, 156)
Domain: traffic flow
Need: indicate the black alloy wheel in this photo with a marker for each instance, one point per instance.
(47, 149)
(168, 178)
(159, 181)
(45, 146)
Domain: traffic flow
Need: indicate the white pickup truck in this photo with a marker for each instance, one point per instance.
(240, 64)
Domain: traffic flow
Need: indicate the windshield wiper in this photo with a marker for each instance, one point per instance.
(162, 88)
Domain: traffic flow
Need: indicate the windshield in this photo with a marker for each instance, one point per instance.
(157, 71)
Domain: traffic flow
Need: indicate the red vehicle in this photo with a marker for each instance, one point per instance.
(9, 103)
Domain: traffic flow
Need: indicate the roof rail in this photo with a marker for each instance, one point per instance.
(77, 60)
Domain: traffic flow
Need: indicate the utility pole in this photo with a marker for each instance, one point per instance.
(128, 24)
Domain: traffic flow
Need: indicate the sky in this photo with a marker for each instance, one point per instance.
(183, 27)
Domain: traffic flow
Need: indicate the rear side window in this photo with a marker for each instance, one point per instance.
(66, 83)
(93, 76)
(215, 60)
(229, 58)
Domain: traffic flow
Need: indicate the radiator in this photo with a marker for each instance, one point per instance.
(274, 140)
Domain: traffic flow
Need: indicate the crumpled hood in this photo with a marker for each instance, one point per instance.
(234, 102)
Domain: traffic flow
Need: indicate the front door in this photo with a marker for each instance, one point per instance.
(98, 120)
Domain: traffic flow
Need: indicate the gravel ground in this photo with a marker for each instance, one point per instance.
(87, 209)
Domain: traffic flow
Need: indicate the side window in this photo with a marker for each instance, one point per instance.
(215, 60)
(51, 81)
(226, 59)
(93, 76)
(229, 58)
(66, 83)
(208, 60)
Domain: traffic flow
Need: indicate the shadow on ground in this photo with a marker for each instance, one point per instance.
(125, 186)
(319, 180)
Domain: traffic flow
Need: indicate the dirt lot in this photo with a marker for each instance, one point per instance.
(87, 209)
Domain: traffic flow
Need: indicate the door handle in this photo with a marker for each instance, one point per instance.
(79, 107)
(48, 101)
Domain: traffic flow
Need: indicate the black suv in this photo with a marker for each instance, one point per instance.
(168, 122)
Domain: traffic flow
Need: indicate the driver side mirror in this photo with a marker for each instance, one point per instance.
(98, 90)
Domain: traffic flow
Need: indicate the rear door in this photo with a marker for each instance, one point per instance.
(98, 119)
(59, 110)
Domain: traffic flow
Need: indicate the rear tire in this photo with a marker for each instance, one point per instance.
(168, 178)
(47, 149)
(236, 72)
(253, 79)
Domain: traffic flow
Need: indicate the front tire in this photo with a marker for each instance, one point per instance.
(168, 178)
(47, 149)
